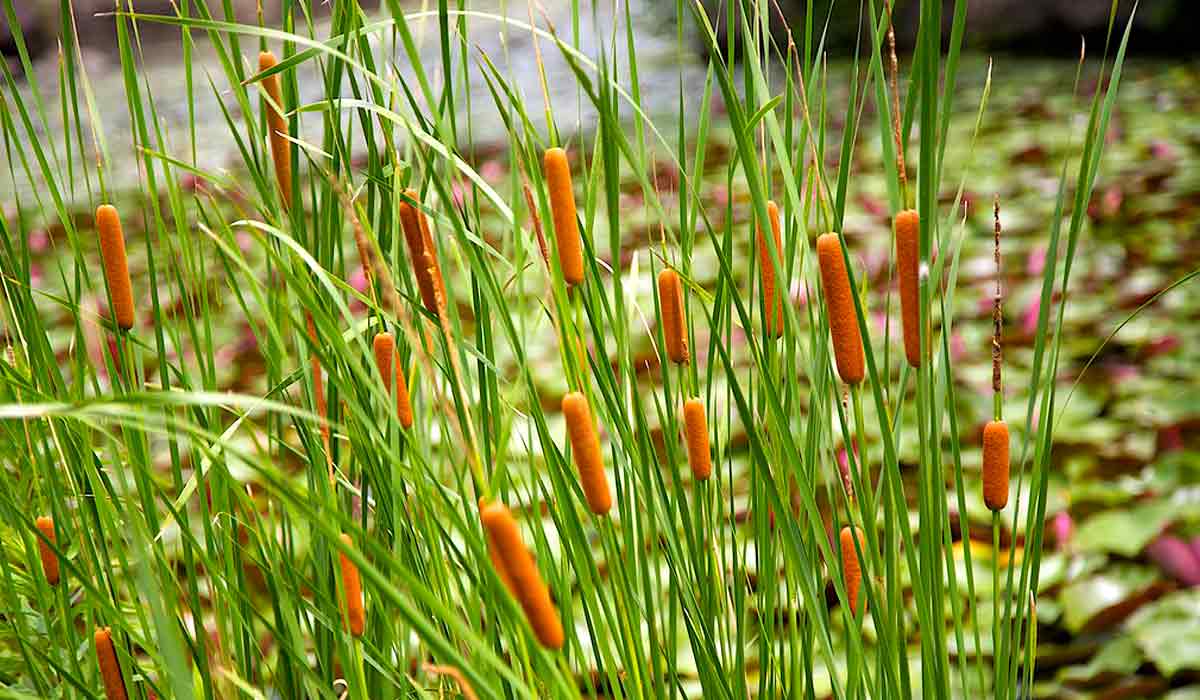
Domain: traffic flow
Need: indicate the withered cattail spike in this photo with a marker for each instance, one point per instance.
(585, 446)
(995, 465)
(908, 239)
(543, 247)
(277, 126)
(110, 669)
(529, 588)
(356, 617)
(772, 298)
(45, 525)
(696, 426)
(562, 209)
(997, 314)
(674, 326)
(421, 249)
(839, 307)
(852, 567)
(894, 67)
(116, 264)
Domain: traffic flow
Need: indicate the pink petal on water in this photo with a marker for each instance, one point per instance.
(491, 170)
(1176, 558)
(1030, 319)
(1063, 527)
(1035, 264)
(958, 346)
(39, 240)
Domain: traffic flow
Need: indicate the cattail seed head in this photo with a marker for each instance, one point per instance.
(384, 346)
(522, 574)
(562, 209)
(695, 424)
(116, 264)
(45, 525)
(670, 298)
(404, 410)
(277, 128)
(908, 239)
(772, 298)
(995, 465)
(852, 567)
(585, 445)
(356, 617)
(110, 669)
(419, 238)
(839, 306)
(494, 554)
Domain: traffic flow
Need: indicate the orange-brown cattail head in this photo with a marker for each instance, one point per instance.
(404, 410)
(908, 239)
(116, 264)
(772, 296)
(839, 306)
(695, 424)
(45, 525)
(356, 617)
(526, 581)
(494, 554)
(995, 465)
(419, 238)
(852, 567)
(562, 209)
(384, 346)
(585, 445)
(277, 128)
(670, 299)
(110, 669)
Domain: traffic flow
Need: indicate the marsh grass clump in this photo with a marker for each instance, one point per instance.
(689, 554)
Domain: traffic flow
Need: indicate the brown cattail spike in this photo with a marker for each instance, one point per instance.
(997, 315)
(839, 307)
(562, 209)
(404, 410)
(356, 617)
(384, 346)
(852, 566)
(45, 525)
(695, 424)
(277, 128)
(494, 554)
(419, 238)
(995, 465)
(526, 581)
(772, 298)
(110, 669)
(908, 239)
(116, 265)
(585, 445)
(670, 299)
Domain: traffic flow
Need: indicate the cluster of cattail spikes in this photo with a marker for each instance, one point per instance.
(520, 574)
(116, 265)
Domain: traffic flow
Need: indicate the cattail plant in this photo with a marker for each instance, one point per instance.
(839, 306)
(116, 265)
(695, 424)
(562, 209)
(524, 579)
(670, 297)
(419, 238)
(772, 298)
(110, 669)
(908, 233)
(995, 433)
(277, 127)
(585, 445)
(852, 566)
(356, 618)
(45, 525)
(384, 346)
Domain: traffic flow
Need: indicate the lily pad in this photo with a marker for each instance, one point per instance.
(1168, 633)
(1091, 602)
